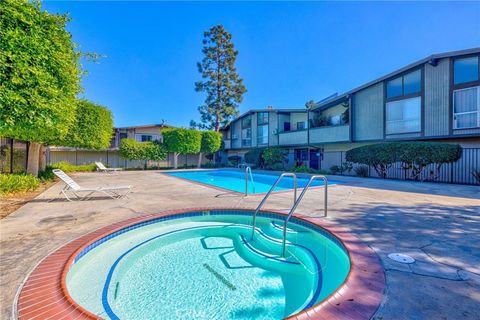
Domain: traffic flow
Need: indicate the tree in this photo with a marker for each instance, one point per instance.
(380, 156)
(92, 128)
(40, 76)
(181, 141)
(272, 156)
(221, 82)
(131, 149)
(417, 156)
(211, 142)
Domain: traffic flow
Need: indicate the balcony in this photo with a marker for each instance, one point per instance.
(339, 133)
(293, 137)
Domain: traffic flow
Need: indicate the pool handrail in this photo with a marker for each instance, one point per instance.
(285, 174)
(247, 170)
(297, 202)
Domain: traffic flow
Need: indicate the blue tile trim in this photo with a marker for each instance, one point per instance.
(264, 214)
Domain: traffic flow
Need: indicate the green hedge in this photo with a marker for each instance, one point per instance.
(254, 156)
(65, 167)
(414, 156)
(273, 156)
(12, 183)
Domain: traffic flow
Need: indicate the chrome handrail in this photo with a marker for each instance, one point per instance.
(297, 202)
(247, 170)
(291, 174)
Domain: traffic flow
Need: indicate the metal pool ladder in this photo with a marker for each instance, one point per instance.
(297, 202)
(248, 171)
(286, 174)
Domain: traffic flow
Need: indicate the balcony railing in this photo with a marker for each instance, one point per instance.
(338, 133)
(293, 137)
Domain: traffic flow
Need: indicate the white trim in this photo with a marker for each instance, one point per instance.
(455, 114)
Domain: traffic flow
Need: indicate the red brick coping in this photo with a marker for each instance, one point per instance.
(44, 294)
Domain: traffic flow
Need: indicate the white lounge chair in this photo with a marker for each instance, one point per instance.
(114, 192)
(101, 167)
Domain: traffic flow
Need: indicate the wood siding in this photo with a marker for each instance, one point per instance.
(437, 111)
(368, 113)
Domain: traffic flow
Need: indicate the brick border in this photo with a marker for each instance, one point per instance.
(44, 293)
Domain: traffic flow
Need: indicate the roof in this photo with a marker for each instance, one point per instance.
(162, 125)
(430, 59)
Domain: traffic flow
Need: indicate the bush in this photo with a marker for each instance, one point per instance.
(361, 171)
(12, 183)
(65, 167)
(380, 156)
(278, 167)
(414, 156)
(234, 160)
(272, 156)
(335, 169)
(254, 156)
(476, 175)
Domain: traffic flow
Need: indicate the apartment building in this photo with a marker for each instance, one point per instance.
(434, 99)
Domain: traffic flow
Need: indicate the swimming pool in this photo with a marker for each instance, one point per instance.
(234, 180)
(205, 265)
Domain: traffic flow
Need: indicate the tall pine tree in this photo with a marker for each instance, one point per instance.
(220, 80)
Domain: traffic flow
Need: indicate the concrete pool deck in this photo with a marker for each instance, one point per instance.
(438, 224)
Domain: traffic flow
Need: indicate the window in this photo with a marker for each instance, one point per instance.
(301, 125)
(247, 137)
(262, 118)
(466, 108)
(465, 70)
(123, 135)
(233, 132)
(394, 88)
(408, 84)
(403, 116)
(412, 82)
(246, 122)
(262, 134)
(301, 154)
(146, 138)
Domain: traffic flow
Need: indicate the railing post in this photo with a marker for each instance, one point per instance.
(297, 202)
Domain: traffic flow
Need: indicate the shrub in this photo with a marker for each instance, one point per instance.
(234, 160)
(272, 156)
(476, 175)
(302, 169)
(278, 166)
(335, 169)
(361, 171)
(416, 156)
(380, 156)
(254, 156)
(65, 167)
(12, 183)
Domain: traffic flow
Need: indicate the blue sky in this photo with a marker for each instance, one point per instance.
(289, 52)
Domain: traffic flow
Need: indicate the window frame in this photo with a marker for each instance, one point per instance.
(405, 96)
(465, 84)
(390, 121)
(454, 114)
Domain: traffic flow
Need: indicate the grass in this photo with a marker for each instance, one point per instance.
(15, 183)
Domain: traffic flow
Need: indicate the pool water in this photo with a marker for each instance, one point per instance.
(235, 180)
(206, 266)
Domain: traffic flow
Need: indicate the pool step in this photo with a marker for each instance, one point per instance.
(250, 251)
(275, 230)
